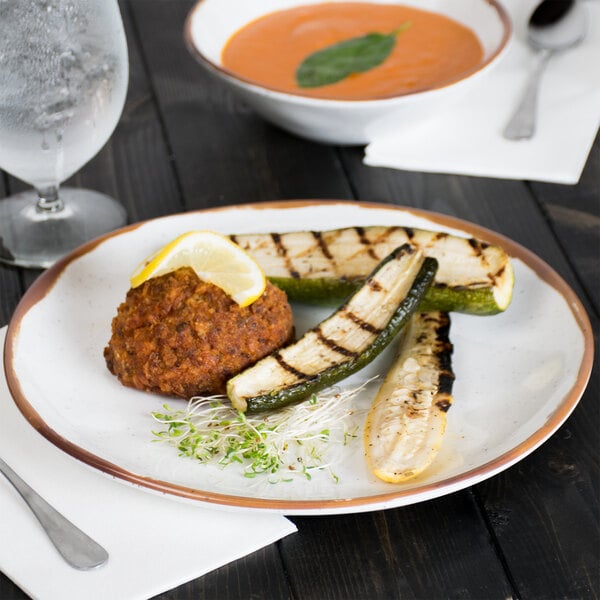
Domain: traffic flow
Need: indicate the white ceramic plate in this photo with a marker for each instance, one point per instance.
(518, 374)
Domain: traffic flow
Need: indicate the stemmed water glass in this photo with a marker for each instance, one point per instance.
(63, 81)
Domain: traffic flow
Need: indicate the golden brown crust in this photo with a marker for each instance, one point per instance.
(180, 336)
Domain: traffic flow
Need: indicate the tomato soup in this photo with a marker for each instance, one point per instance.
(432, 51)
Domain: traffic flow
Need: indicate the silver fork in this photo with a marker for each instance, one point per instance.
(77, 548)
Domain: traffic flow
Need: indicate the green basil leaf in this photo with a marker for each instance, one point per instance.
(338, 61)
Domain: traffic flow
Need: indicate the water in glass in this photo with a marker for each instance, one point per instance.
(63, 82)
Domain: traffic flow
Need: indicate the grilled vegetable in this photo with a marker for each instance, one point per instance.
(325, 267)
(343, 343)
(406, 422)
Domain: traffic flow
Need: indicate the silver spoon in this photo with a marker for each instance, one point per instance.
(78, 549)
(555, 25)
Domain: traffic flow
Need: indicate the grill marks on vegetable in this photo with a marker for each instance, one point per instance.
(281, 251)
(323, 339)
(364, 240)
(325, 344)
(322, 244)
(479, 249)
(442, 349)
(289, 368)
(441, 355)
(343, 343)
(332, 340)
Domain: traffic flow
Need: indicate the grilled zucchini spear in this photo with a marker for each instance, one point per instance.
(325, 267)
(406, 422)
(343, 343)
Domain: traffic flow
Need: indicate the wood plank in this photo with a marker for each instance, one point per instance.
(10, 292)
(437, 549)
(134, 166)
(574, 213)
(11, 285)
(9, 591)
(579, 229)
(260, 571)
(224, 153)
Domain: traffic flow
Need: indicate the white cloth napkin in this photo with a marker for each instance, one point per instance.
(155, 543)
(466, 138)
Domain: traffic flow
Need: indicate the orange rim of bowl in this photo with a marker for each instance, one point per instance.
(503, 15)
(394, 498)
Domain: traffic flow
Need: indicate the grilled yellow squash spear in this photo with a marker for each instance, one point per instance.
(406, 422)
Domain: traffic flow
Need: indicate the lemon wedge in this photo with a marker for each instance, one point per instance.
(214, 258)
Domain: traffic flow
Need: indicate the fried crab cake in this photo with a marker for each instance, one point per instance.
(180, 336)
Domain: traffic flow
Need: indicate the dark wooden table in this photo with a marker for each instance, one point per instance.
(532, 532)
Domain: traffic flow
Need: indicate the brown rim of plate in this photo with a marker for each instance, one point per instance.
(396, 497)
(209, 64)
